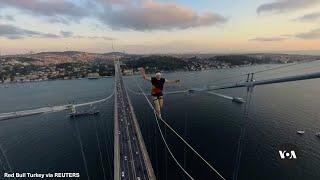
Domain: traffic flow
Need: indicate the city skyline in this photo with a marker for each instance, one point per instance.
(159, 26)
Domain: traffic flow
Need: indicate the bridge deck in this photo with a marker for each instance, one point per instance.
(131, 160)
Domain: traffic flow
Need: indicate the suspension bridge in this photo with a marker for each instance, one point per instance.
(131, 159)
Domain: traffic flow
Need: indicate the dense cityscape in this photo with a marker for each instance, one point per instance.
(75, 65)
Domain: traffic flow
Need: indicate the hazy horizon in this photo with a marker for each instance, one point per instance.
(306, 52)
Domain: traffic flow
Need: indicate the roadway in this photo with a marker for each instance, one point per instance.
(131, 161)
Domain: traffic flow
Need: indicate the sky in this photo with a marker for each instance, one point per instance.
(160, 26)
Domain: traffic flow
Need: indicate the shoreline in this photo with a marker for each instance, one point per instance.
(134, 74)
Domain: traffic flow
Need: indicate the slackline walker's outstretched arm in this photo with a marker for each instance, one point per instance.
(143, 73)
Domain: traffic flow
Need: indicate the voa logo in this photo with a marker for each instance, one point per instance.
(287, 154)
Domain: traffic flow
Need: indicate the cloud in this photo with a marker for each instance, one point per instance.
(137, 15)
(60, 20)
(118, 2)
(313, 34)
(66, 34)
(13, 32)
(101, 37)
(7, 17)
(309, 17)
(280, 6)
(47, 7)
(268, 39)
(96, 37)
(159, 16)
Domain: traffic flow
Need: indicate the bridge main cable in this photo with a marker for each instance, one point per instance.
(260, 71)
(50, 109)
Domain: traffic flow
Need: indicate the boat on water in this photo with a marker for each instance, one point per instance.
(191, 91)
(301, 132)
(82, 114)
(238, 100)
(318, 134)
(75, 114)
(93, 78)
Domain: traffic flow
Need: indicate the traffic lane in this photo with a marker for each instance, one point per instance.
(136, 148)
(127, 156)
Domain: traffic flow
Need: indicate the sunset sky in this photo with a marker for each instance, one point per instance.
(160, 26)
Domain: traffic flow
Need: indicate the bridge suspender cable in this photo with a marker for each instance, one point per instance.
(6, 161)
(241, 141)
(82, 150)
(180, 137)
(99, 148)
